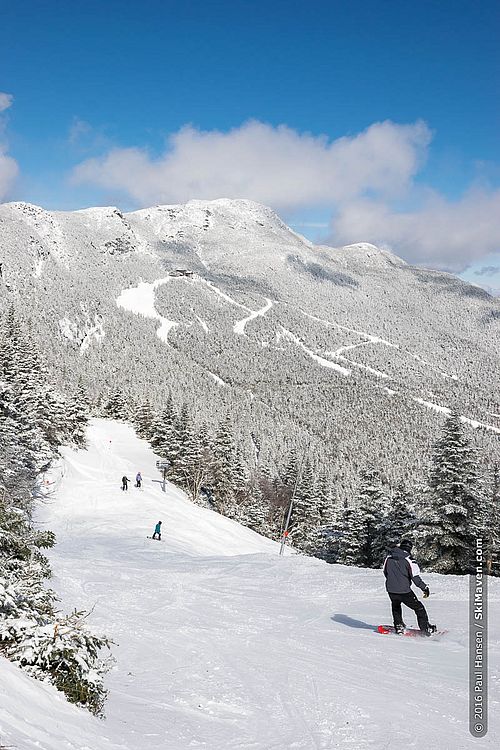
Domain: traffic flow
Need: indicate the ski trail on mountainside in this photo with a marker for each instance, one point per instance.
(222, 294)
(140, 300)
(467, 420)
(338, 354)
(373, 339)
(239, 327)
(320, 360)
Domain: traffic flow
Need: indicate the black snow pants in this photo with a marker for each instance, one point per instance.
(413, 603)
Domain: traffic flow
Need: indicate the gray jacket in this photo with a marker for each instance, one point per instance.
(400, 572)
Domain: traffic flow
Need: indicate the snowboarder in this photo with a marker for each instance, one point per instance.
(125, 482)
(157, 531)
(400, 572)
(138, 479)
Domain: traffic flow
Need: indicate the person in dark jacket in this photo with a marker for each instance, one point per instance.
(125, 482)
(157, 531)
(400, 572)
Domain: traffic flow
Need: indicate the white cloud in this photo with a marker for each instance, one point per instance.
(5, 101)
(358, 178)
(276, 166)
(8, 166)
(442, 234)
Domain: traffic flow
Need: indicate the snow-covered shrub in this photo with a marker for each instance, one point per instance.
(57, 648)
(61, 650)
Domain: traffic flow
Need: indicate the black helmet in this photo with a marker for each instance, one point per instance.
(406, 544)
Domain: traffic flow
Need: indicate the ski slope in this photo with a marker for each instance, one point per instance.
(222, 644)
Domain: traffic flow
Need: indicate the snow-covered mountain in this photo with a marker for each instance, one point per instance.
(221, 643)
(349, 350)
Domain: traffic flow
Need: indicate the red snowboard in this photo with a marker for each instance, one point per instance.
(410, 632)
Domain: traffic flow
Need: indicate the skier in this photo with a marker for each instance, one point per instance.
(157, 531)
(138, 479)
(125, 482)
(400, 572)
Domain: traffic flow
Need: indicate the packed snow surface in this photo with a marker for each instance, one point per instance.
(224, 645)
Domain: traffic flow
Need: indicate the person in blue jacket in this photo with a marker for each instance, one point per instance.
(138, 479)
(157, 531)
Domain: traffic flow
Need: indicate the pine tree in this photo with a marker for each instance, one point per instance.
(240, 477)
(143, 420)
(305, 518)
(254, 511)
(450, 517)
(78, 416)
(275, 496)
(324, 500)
(398, 523)
(178, 443)
(20, 447)
(163, 429)
(222, 468)
(291, 471)
(116, 406)
(325, 539)
(371, 502)
(351, 530)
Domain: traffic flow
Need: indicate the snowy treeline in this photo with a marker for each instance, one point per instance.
(444, 514)
(34, 421)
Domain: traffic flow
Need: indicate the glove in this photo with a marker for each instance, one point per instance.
(426, 592)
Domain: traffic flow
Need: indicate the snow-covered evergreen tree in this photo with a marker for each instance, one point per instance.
(253, 511)
(116, 406)
(371, 502)
(77, 416)
(398, 522)
(163, 429)
(291, 470)
(452, 513)
(306, 518)
(351, 535)
(222, 468)
(144, 417)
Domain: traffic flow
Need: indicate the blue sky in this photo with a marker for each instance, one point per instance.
(354, 120)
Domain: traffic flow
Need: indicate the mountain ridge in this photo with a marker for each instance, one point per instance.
(349, 351)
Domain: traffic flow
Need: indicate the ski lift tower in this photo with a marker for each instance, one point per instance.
(163, 466)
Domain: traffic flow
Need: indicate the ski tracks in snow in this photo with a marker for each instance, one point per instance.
(225, 644)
